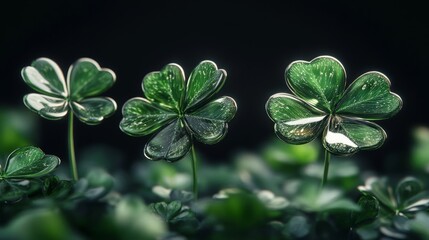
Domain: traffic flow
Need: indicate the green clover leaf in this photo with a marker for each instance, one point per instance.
(321, 105)
(179, 110)
(28, 162)
(85, 80)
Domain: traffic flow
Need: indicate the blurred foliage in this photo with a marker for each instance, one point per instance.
(269, 194)
(18, 128)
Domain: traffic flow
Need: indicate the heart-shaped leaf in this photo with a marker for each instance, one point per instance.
(142, 117)
(345, 136)
(45, 76)
(295, 121)
(369, 210)
(209, 123)
(205, 80)
(51, 108)
(93, 110)
(407, 188)
(171, 143)
(29, 162)
(369, 97)
(86, 78)
(167, 211)
(165, 87)
(320, 82)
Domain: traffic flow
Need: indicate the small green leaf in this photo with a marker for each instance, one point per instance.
(205, 80)
(416, 203)
(45, 76)
(100, 183)
(295, 121)
(171, 143)
(345, 136)
(29, 162)
(320, 82)
(379, 189)
(167, 211)
(369, 210)
(85, 78)
(369, 97)
(407, 188)
(209, 123)
(93, 110)
(142, 117)
(55, 188)
(51, 108)
(165, 87)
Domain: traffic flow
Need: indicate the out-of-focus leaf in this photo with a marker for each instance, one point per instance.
(297, 227)
(56, 188)
(135, 221)
(18, 128)
(282, 155)
(179, 217)
(272, 201)
(420, 149)
(38, 224)
(419, 225)
(239, 211)
(369, 210)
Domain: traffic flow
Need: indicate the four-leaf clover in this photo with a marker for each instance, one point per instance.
(85, 79)
(180, 110)
(321, 103)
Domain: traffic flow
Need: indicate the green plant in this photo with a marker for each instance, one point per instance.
(75, 95)
(321, 103)
(181, 113)
(21, 167)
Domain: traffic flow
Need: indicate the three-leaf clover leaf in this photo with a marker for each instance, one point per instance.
(181, 110)
(28, 162)
(321, 103)
(85, 79)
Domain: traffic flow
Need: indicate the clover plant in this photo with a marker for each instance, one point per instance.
(179, 111)
(74, 95)
(321, 103)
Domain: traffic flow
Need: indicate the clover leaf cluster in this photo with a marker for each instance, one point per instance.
(181, 110)
(57, 95)
(320, 103)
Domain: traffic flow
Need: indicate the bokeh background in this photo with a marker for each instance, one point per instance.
(253, 40)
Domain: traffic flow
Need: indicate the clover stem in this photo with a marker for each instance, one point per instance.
(194, 172)
(72, 157)
(326, 168)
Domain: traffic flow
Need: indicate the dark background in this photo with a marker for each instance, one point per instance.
(253, 41)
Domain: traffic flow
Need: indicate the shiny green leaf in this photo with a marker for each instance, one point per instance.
(29, 162)
(209, 123)
(45, 76)
(320, 82)
(205, 80)
(171, 143)
(416, 203)
(369, 97)
(295, 121)
(142, 117)
(85, 78)
(379, 189)
(94, 110)
(165, 87)
(51, 108)
(345, 136)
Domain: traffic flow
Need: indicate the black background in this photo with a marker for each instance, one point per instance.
(253, 41)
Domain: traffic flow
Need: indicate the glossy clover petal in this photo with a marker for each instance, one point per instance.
(181, 111)
(28, 162)
(209, 123)
(320, 82)
(165, 87)
(296, 122)
(85, 79)
(345, 136)
(322, 104)
(369, 97)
